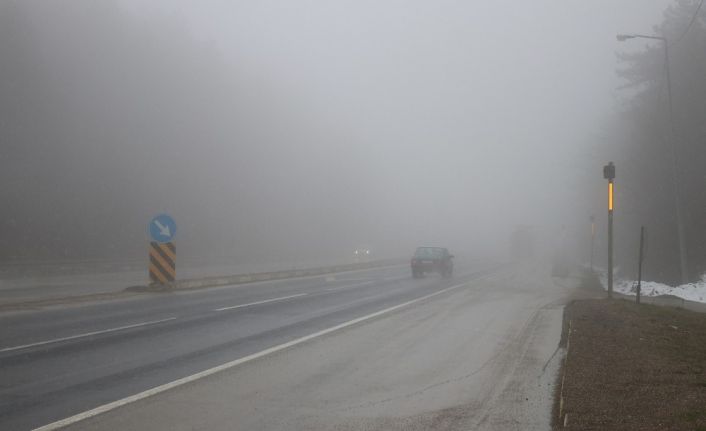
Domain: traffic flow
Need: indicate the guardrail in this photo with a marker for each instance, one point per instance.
(199, 283)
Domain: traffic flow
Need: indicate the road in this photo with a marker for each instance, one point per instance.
(27, 282)
(370, 349)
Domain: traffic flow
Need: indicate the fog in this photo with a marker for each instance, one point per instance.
(278, 129)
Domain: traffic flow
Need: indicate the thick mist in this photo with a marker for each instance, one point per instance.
(275, 130)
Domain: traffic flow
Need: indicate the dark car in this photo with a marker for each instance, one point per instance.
(432, 259)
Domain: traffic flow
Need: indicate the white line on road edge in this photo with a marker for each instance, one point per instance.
(180, 382)
(87, 334)
(260, 302)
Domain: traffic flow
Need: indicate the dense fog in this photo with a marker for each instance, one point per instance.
(273, 129)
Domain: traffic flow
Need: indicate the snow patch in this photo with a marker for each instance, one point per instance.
(691, 291)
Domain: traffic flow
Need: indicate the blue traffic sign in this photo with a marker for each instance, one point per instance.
(162, 228)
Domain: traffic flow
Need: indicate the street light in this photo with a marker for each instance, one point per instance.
(675, 172)
(624, 37)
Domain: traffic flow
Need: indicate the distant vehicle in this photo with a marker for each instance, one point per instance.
(362, 254)
(432, 259)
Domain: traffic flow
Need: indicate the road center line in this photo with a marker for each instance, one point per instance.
(349, 286)
(400, 277)
(260, 302)
(180, 382)
(87, 334)
(355, 279)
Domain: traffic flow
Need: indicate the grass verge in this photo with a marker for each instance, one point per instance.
(632, 367)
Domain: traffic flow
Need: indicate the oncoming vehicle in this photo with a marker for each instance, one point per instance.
(362, 254)
(432, 259)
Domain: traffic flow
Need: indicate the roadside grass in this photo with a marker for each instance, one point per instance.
(633, 367)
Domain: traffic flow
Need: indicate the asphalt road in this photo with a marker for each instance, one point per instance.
(29, 282)
(369, 349)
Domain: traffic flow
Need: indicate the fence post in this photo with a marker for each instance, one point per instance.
(639, 264)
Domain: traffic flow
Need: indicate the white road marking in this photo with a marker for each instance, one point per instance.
(349, 286)
(260, 302)
(163, 230)
(360, 279)
(87, 334)
(180, 382)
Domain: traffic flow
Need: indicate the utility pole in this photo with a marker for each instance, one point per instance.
(609, 174)
(683, 266)
(681, 236)
(639, 264)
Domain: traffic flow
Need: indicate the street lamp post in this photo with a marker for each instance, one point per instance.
(675, 172)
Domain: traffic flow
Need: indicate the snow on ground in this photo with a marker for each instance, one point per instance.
(691, 291)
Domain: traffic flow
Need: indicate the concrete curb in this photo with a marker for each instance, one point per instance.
(206, 282)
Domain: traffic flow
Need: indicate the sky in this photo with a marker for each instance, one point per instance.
(387, 124)
(504, 95)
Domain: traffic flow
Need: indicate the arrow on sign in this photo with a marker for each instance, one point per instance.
(163, 230)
